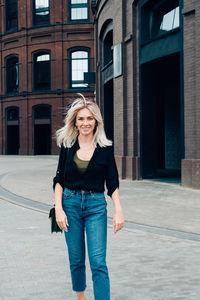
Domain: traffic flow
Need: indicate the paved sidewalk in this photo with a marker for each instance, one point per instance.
(142, 265)
(155, 257)
(144, 202)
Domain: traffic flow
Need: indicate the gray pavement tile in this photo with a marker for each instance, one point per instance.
(142, 265)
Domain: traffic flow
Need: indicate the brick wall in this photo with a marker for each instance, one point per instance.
(191, 163)
(58, 37)
(125, 86)
(124, 15)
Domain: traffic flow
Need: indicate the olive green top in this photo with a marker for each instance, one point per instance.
(81, 164)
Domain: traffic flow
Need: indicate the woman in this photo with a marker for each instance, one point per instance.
(86, 162)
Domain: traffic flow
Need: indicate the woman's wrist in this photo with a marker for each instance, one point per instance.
(58, 206)
(118, 208)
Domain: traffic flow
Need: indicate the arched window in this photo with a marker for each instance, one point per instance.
(42, 112)
(12, 114)
(107, 48)
(12, 74)
(40, 12)
(79, 63)
(42, 70)
(11, 14)
(106, 74)
(79, 10)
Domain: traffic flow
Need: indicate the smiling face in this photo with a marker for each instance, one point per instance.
(85, 122)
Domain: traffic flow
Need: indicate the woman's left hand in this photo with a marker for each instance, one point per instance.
(118, 221)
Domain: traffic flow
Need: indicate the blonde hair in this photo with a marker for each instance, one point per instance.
(68, 133)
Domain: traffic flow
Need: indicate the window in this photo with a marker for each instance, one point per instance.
(12, 74)
(79, 10)
(40, 12)
(165, 18)
(12, 130)
(42, 129)
(42, 68)
(79, 64)
(170, 20)
(107, 48)
(160, 19)
(12, 114)
(11, 14)
(42, 112)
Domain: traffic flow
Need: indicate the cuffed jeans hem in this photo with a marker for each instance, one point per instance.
(81, 291)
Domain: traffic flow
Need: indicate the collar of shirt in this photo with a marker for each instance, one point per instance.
(76, 146)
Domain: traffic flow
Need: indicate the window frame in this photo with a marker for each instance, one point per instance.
(147, 12)
(12, 29)
(34, 56)
(80, 5)
(34, 10)
(70, 51)
(6, 74)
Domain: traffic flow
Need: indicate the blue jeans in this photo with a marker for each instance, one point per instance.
(86, 211)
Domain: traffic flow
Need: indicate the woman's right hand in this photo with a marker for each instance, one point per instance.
(61, 219)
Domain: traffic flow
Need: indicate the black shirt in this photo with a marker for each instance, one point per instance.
(101, 168)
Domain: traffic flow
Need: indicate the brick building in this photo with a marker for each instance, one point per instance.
(46, 46)
(148, 66)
